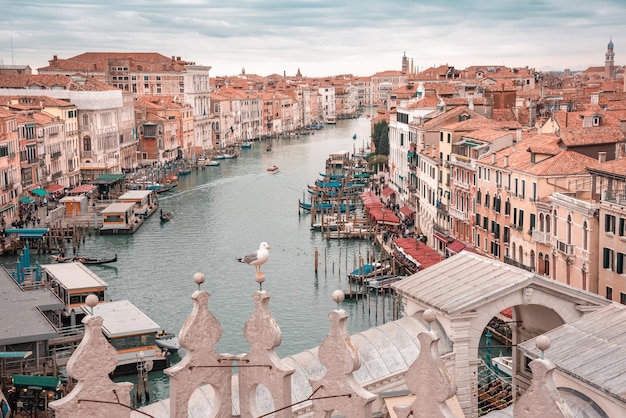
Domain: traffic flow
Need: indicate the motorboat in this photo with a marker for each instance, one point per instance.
(167, 341)
(273, 169)
(503, 364)
(211, 163)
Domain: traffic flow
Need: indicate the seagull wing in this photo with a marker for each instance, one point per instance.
(249, 258)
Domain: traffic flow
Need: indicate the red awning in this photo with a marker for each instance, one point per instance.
(440, 236)
(387, 217)
(406, 211)
(456, 246)
(54, 188)
(388, 191)
(83, 188)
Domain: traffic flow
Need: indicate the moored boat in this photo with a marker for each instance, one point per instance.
(212, 163)
(130, 332)
(369, 271)
(503, 364)
(273, 169)
(167, 341)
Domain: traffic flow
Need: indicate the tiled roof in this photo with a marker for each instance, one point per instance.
(24, 81)
(591, 136)
(502, 115)
(426, 102)
(100, 61)
(487, 135)
(559, 162)
(616, 167)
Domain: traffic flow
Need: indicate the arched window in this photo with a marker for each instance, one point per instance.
(86, 143)
(569, 229)
(513, 252)
(546, 264)
(532, 260)
(478, 197)
(585, 236)
(521, 255)
(548, 225)
(487, 199)
(85, 120)
(541, 222)
(540, 263)
(555, 221)
(507, 206)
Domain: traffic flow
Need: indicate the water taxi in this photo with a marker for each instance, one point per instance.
(145, 201)
(72, 282)
(503, 364)
(133, 334)
(120, 218)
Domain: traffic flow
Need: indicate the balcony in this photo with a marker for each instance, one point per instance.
(441, 230)
(458, 214)
(461, 185)
(541, 237)
(564, 248)
(55, 154)
(512, 262)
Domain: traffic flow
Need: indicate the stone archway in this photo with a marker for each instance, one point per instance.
(467, 290)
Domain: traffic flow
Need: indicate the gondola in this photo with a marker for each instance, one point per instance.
(166, 216)
(84, 260)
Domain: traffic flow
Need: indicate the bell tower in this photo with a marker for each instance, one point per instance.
(609, 61)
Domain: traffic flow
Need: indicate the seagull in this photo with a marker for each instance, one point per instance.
(257, 258)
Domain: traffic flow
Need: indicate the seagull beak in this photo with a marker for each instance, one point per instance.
(269, 247)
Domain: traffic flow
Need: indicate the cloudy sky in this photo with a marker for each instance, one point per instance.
(321, 37)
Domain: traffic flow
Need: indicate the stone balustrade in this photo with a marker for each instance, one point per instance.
(263, 386)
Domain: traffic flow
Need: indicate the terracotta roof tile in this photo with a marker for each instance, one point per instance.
(591, 136)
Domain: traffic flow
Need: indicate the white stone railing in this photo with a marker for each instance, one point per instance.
(335, 388)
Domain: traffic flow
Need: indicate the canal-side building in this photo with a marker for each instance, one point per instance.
(147, 74)
(10, 173)
(609, 189)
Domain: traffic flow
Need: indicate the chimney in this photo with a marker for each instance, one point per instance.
(506, 161)
(519, 135)
(622, 125)
(602, 156)
(493, 158)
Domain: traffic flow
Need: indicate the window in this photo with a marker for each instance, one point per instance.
(507, 207)
(622, 227)
(609, 223)
(619, 263)
(523, 191)
(534, 192)
(585, 236)
(607, 258)
(478, 197)
(521, 219)
(87, 143)
(609, 293)
(532, 221)
(622, 298)
(507, 234)
(487, 200)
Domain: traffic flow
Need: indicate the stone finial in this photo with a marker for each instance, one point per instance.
(337, 390)
(202, 364)
(198, 279)
(429, 379)
(91, 301)
(95, 395)
(543, 343)
(542, 399)
(262, 366)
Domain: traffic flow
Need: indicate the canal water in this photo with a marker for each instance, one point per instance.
(221, 213)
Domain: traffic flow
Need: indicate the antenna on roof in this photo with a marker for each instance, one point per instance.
(12, 62)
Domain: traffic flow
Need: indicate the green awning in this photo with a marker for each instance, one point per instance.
(410, 154)
(39, 192)
(36, 382)
(15, 354)
(25, 199)
(111, 176)
(28, 232)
